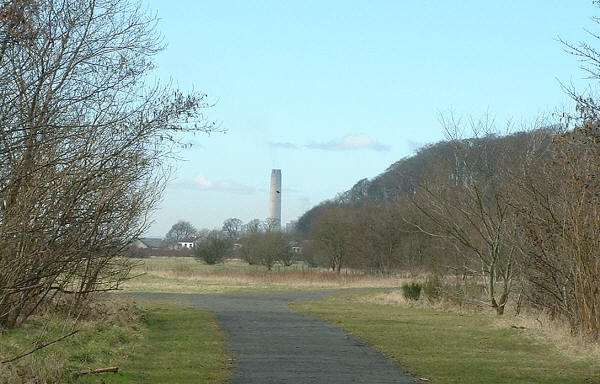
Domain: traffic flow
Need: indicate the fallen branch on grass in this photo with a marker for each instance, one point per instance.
(99, 370)
(38, 348)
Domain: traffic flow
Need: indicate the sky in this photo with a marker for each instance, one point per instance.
(331, 92)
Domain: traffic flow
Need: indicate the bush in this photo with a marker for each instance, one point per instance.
(412, 291)
(266, 248)
(213, 247)
(432, 288)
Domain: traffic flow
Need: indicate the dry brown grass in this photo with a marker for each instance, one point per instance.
(189, 275)
(304, 278)
(558, 333)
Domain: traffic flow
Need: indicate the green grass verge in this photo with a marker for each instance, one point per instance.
(182, 345)
(452, 348)
(157, 343)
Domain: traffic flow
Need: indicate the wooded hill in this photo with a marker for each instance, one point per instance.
(400, 180)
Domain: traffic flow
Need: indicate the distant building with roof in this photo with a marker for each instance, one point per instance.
(149, 243)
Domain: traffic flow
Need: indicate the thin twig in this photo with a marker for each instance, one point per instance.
(18, 357)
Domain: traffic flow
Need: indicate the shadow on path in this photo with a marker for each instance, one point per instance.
(273, 344)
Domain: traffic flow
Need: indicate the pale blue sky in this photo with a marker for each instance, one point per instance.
(335, 91)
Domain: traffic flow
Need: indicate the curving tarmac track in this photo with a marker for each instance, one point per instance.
(273, 344)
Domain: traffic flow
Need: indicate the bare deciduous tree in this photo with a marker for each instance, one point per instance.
(559, 195)
(270, 224)
(380, 233)
(180, 231)
(232, 227)
(466, 201)
(252, 226)
(334, 231)
(84, 139)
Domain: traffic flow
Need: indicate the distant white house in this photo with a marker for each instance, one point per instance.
(187, 243)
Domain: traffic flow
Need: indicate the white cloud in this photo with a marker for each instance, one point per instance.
(202, 183)
(349, 142)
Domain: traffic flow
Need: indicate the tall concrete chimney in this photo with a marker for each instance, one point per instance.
(275, 212)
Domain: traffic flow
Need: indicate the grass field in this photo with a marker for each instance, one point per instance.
(188, 275)
(157, 343)
(446, 347)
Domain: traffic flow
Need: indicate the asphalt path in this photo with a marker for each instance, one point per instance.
(271, 344)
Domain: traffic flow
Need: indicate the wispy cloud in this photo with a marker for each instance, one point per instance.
(349, 142)
(202, 183)
(284, 145)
